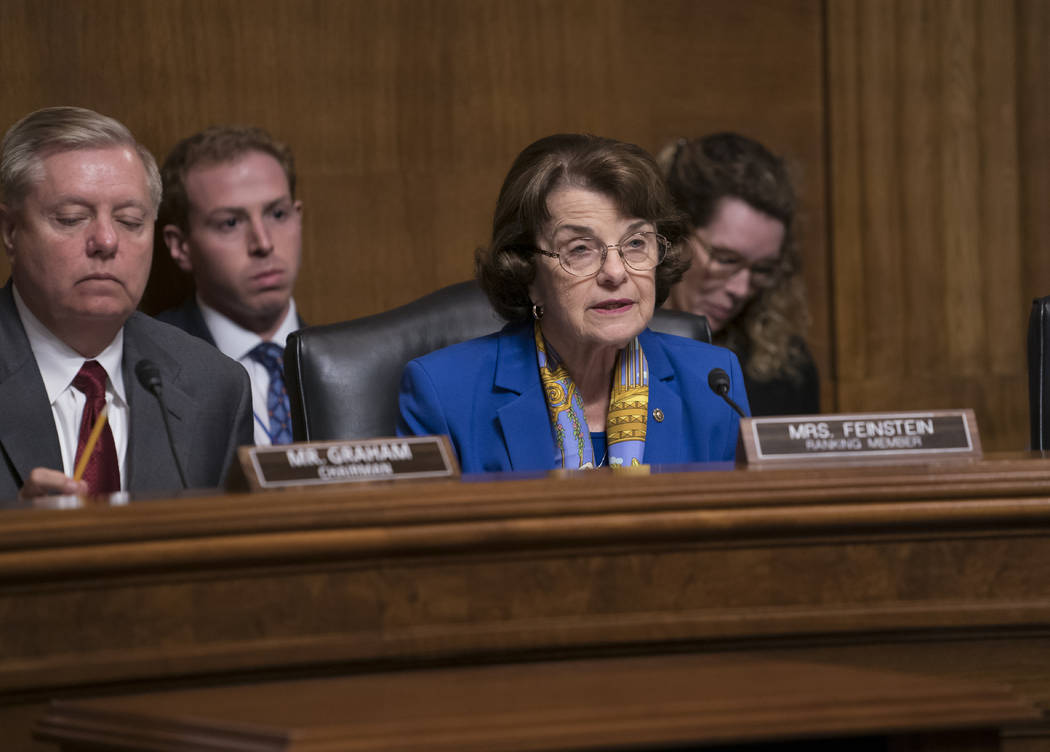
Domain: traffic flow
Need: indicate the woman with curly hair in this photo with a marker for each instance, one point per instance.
(745, 273)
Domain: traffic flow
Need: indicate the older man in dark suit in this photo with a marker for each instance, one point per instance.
(80, 196)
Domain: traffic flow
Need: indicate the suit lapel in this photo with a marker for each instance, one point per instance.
(195, 323)
(523, 417)
(526, 425)
(663, 438)
(150, 463)
(28, 435)
(527, 431)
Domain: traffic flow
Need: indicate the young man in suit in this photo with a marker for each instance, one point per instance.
(79, 199)
(230, 218)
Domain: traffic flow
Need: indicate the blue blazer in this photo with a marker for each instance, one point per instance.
(485, 394)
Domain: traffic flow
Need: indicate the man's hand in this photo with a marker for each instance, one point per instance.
(44, 482)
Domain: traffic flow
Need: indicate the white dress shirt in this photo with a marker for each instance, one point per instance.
(59, 364)
(237, 342)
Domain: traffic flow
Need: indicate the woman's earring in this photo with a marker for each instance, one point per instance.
(537, 311)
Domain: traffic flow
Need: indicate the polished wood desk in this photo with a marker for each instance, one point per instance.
(940, 569)
(643, 702)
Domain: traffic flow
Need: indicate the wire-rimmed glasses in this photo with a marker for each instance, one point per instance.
(584, 257)
(723, 263)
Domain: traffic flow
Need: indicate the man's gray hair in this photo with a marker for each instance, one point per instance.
(59, 129)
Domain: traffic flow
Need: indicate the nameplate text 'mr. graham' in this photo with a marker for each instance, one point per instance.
(319, 463)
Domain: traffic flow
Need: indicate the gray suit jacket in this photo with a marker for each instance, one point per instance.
(207, 396)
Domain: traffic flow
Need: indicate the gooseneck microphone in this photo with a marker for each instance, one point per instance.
(149, 376)
(718, 380)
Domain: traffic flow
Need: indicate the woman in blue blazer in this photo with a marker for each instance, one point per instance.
(585, 245)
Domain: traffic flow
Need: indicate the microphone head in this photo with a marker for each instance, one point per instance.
(718, 380)
(149, 375)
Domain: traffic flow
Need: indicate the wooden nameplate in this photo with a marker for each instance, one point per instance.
(860, 437)
(320, 463)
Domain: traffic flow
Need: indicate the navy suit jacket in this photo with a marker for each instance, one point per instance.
(485, 394)
(207, 396)
(188, 317)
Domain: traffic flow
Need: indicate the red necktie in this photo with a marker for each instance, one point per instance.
(102, 473)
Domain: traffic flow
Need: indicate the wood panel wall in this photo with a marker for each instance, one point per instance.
(405, 114)
(917, 131)
(938, 177)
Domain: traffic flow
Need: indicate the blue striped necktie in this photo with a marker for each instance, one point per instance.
(271, 356)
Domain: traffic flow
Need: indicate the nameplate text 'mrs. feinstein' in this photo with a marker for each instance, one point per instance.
(333, 462)
(865, 436)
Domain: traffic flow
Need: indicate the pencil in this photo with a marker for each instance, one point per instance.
(89, 447)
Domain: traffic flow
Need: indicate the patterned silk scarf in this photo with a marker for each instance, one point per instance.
(628, 407)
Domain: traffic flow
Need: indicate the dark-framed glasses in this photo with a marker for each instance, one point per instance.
(584, 257)
(723, 263)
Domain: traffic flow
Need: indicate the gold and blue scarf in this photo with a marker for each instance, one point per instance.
(628, 408)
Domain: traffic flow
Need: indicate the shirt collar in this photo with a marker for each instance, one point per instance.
(234, 340)
(59, 363)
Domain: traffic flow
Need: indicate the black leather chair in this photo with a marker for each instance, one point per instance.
(1039, 373)
(343, 378)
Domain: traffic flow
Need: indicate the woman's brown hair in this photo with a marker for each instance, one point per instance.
(768, 332)
(624, 172)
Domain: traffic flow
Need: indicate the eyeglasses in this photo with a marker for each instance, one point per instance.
(723, 264)
(584, 257)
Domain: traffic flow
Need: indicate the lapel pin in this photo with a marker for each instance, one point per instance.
(658, 415)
